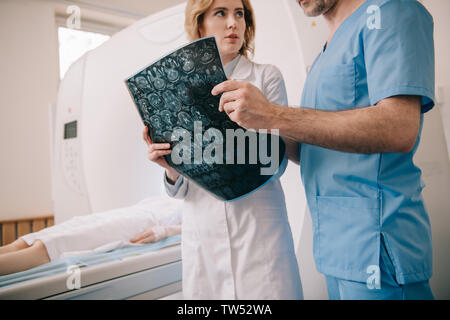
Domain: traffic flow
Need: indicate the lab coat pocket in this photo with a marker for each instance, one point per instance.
(347, 235)
(336, 87)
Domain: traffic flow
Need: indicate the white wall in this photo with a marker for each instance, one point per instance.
(433, 157)
(29, 82)
(440, 9)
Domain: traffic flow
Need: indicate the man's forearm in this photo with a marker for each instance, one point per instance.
(381, 128)
(292, 150)
(390, 126)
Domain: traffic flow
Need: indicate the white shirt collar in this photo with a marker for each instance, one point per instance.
(242, 69)
(229, 68)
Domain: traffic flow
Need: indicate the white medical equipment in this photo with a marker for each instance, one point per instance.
(99, 156)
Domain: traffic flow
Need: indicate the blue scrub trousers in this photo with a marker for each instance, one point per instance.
(339, 289)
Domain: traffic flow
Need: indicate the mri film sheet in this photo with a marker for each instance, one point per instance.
(173, 95)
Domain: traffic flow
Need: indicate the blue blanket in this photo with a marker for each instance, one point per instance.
(61, 265)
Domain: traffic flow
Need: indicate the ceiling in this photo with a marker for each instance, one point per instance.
(113, 15)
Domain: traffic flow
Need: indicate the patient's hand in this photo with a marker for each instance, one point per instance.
(156, 233)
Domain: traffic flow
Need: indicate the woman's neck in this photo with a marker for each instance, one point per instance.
(226, 59)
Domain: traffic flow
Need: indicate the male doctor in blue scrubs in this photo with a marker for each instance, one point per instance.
(358, 128)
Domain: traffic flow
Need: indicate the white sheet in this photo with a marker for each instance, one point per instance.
(106, 231)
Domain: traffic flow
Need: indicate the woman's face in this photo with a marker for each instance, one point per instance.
(225, 20)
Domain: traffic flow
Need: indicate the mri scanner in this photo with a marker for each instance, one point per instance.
(99, 157)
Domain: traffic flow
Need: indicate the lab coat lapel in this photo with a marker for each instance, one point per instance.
(243, 69)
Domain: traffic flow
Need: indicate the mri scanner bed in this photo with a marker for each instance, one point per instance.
(150, 271)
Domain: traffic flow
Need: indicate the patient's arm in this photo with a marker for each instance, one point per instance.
(19, 256)
(157, 233)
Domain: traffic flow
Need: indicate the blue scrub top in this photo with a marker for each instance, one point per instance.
(358, 200)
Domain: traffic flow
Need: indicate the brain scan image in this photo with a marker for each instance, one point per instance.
(197, 115)
(156, 123)
(171, 101)
(157, 78)
(199, 84)
(170, 67)
(142, 83)
(167, 135)
(173, 93)
(206, 56)
(215, 73)
(185, 120)
(184, 94)
(155, 100)
(167, 117)
(186, 59)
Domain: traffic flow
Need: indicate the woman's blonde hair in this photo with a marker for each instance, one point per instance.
(194, 14)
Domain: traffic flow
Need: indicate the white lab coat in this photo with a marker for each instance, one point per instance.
(241, 249)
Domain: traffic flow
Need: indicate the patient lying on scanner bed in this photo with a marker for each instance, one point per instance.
(150, 220)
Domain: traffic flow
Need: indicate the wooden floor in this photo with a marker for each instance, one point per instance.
(10, 230)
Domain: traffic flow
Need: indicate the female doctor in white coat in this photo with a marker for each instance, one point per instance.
(241, 249)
